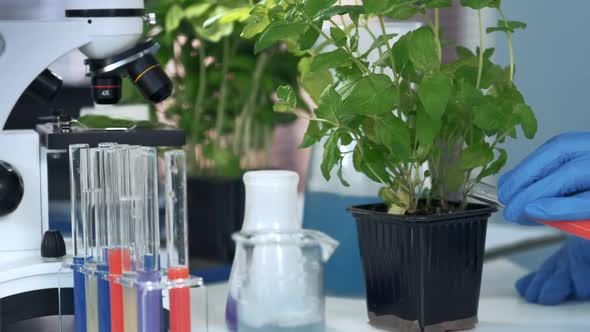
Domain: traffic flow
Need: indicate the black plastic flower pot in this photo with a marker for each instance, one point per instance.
(422, 273)
(215, 212)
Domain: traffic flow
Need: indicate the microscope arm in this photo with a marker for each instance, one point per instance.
(29, 48)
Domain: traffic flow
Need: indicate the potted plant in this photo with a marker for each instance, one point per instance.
(423, 128)
(223, 99)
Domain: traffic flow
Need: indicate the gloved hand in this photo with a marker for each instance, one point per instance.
(551, 184)
(564, 276)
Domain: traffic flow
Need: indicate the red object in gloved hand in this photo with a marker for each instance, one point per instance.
(578, 228)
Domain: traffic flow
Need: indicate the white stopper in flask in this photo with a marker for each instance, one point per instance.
(271, 201)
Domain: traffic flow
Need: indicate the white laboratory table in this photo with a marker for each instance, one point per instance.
(501, 310)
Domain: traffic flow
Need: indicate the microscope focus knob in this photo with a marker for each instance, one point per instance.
(53, 245)
(11, 189)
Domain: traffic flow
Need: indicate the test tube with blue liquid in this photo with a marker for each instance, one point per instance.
(78, 155)
(149, 298)
(105, 212)
(177, 239)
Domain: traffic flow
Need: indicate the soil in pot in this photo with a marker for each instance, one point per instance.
(215, 212)
(422, 273)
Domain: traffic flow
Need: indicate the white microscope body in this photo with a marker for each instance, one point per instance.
(100, 30)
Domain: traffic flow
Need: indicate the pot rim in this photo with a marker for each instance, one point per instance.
(474, 211)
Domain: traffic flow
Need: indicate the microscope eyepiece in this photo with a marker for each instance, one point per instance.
(150, 78)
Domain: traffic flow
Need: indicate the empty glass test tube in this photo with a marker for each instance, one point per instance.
(177, 239)
(78, 155)
(148, 245)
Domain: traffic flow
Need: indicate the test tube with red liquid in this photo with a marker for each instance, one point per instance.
(114, 164)
(177, 239)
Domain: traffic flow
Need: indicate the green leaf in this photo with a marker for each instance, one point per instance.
(479, 4)
(257, 22)
(434, 93)
(439, 3)
(327, 14)
(489, 116)
(277, 31)
(173, 18)
(338, 36)
(469, 95)
(423, 52)
(330, 104)
(345, 138)
(464, 52)
(426, 127)
(407, 98)
(312, 7)
(376, 6)
(230, 16)
(507, 26)
(334, 59)
(403, 11)
(195, 11)
(475, 156)
(394, 134)
(215, 32)
(372, 94)
(527, 119)
(497, 165)
(378, 43)
(287, 99)
(308, 39)
(354, 42)
(312, 135)
(331, 155)
(313, 82)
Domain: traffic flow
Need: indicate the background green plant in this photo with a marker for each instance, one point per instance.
(223, 95)
(407, 109)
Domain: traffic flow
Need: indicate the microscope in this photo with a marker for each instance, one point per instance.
(110, 34)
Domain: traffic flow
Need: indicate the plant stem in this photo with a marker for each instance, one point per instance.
(251, 102)
(223, 90)
(199, 108)
(510, 45)
(341, 17)
(372, 34)
(481, 50)
(389, 50)
(437, 33)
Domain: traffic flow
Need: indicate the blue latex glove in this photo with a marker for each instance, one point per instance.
(564, 276)
(551, 184)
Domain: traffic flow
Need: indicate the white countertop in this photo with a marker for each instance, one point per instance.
(501, 310)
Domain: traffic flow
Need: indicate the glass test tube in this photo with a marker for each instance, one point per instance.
(78, 155)
(130, 214)
(177, 239)
(92, 190)
(115, 163)
(148, 246)
(102, 240)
